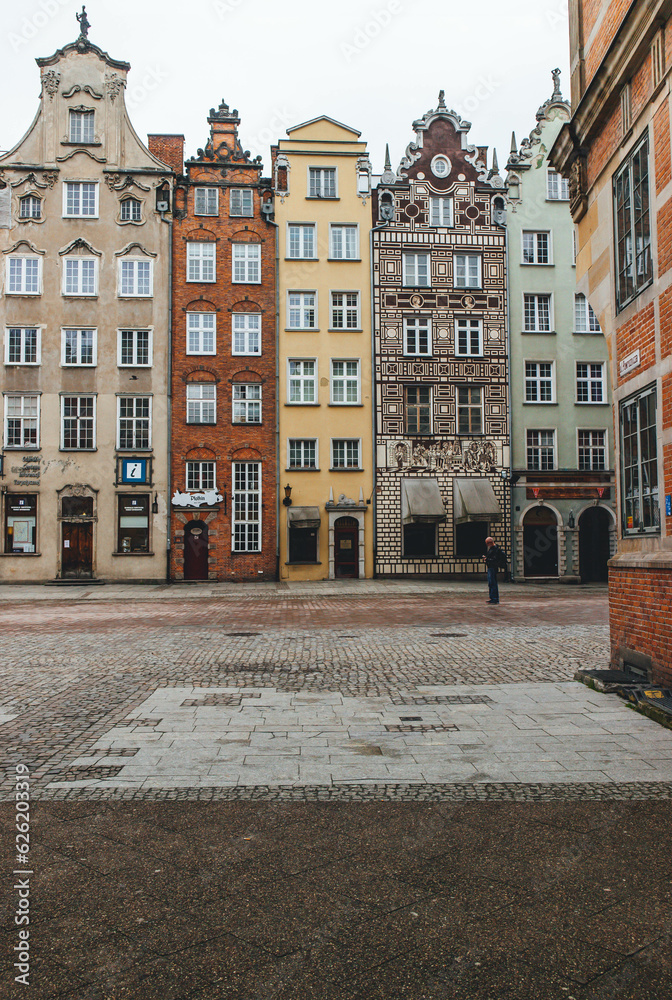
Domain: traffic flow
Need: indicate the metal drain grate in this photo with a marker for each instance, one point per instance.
(244, 634)
(445, 699)
(448, 635)
(424, 727)
(410, 718)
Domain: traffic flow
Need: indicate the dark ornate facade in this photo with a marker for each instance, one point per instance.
(439, 292)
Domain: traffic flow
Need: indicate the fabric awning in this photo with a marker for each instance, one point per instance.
(304, 517)
(475, 500)
(421, 502)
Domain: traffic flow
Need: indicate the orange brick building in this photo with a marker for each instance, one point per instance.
(617, 153)
(223, 414)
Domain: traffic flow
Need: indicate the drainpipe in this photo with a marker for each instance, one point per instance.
(374, 391)
(169, 395)
(508, 494)
(271, 222)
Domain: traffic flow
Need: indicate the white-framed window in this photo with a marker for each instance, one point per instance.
(201, 260)
(22, 345)
(136, 278)
(537, 313)
(30, 207)
(24, 276)
(585, 320)
(322, 182)
(131, 210)
(302, 310)
(82, 126)
(302, 453)
(241, 202)
(557, 187)
(201, 403)
(469, 409)
(134, 422)
(343, 242)
(592, 450)
(590, 382)
(246, 403)
(301, 241)
(134, 348)
(467, 270)
(201, 476)
(345, 382)
(536, 247)
(541, 450)
(79, 347)
(418, 335)
(246, 519)
(80, 200)
(201, 333)
(640, 473)
(441, 212)
(345, 453)
(468, 336)
(539, 382)
(80, 276)
(78, 423)
(345, 311)
(22, 421)
(246, 333)
(206, 201)
(246, 263)
(415, 268)
(632, 218)
(301, 380)
(418, 406)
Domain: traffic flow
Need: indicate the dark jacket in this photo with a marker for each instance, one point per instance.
(495, 557)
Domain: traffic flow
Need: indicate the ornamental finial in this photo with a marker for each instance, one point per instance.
(84, 24)
(555, 73)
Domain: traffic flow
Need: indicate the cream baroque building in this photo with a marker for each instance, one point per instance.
(84, 257)
(322, 180)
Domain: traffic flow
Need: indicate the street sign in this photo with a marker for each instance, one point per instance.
(668, 504)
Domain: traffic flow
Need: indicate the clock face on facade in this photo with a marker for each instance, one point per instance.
(440, 166)
(134, 470)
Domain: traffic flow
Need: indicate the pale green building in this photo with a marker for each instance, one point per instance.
(562, 481)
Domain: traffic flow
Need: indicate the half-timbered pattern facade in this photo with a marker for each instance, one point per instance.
(439, 293)
(223, 468)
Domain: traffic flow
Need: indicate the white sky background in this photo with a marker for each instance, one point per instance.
(375, 66)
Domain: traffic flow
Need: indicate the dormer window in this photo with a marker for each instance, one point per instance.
(131, 210)
(81, 126)
(30, 207)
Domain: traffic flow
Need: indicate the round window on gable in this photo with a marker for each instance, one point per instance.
(440, 166)
(131, 210)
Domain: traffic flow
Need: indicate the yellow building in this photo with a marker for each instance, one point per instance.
(322, 181)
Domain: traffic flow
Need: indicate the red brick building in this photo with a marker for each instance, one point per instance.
(223, 413)
(616, 152)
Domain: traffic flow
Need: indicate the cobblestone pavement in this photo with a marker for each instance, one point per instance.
(357, 694)
(407, 796)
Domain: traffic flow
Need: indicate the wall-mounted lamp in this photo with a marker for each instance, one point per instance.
(155, 504)
(511, 478)
(570, 519)
(288, 496)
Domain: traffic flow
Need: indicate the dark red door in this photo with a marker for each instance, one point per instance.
(77, 553)
(346, 547)
(196, 551)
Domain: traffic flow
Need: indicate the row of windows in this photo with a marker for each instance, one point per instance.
(80, 276)
(78, 422)
(245, 263)
(79, 346)
(542, 450)
(591, 386)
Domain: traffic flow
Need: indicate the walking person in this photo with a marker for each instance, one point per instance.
(494, 559)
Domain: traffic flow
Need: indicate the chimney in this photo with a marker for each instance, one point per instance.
(169, 149)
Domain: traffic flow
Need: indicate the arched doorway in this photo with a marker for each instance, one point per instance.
(196, 550)
(77, 514)
(594, 526)
(540, 542)
(346, 547)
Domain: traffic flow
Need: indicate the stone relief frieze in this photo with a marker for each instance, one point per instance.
(460, 454)
(51, 81)
(114, 85)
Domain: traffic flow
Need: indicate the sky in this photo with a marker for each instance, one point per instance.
(375, 66)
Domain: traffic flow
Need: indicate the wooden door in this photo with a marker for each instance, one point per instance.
(346, 548)
(196, 551)
(77, 552)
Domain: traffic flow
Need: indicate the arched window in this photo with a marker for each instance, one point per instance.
(30, 207)
(131, 210)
